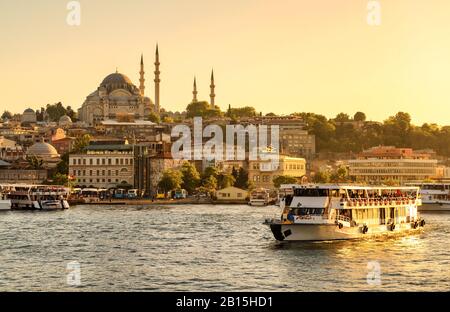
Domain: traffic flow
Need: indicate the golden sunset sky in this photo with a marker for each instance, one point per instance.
(279, 56)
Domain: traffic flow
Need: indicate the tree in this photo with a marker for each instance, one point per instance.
(80, 143)
(279, 180)
(202, 109)
(55, 111)
(190, 177)
(170, 180)
(340, 175)
(153, 117)
(342, 117)
(359, 116)
(321, 177)
(167, 119)
(63, 165)
(71, 113)
(242, 179)
(225, 180)
(60, 179)
(210, 184)
(242, 112)
(34, 162)
(7, 115)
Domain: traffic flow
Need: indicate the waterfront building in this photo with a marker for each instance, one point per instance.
(232, 194)
(22, 176)
(117, 96)
(390, 164)
(261, 172)
(103, 166)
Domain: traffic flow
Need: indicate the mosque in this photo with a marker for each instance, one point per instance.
(118, 99)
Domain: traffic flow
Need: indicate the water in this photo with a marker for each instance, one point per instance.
(206, 248)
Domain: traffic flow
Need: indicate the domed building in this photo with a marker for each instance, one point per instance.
(65, 121)
(46, 152)
(29, 116)
(118, 96)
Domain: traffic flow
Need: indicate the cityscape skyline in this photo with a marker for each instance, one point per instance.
(282, 56)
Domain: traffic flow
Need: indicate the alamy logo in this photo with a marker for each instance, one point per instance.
(235, 147)
(374, 273)
(374, 13)
(73, 273)
(74, 15)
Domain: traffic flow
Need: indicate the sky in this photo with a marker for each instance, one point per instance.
(279, 56)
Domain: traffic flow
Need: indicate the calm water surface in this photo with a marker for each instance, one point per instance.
(206, 248)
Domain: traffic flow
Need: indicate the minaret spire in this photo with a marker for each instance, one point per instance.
(142, 78)
(213, 87)
(194, 99)
(157, 79)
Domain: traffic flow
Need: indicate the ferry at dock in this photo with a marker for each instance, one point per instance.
(5, 203)
(435, 196)
(37, 197)
(262, 197)
(337, 212)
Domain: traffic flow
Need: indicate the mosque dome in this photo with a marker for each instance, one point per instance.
(65, 120)
(117, 81)
(29, 110)
(43, 150)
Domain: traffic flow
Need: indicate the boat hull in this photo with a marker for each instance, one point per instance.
(40, 205)
(327, 232)
(435, 207)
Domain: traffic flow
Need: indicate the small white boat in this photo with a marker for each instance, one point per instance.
(261, 197)
(334, 212)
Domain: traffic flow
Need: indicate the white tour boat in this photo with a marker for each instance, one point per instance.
(435, 196)
(38, 197)
(335, 212)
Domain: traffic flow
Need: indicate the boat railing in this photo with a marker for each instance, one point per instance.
(383, 201)
(343, 218)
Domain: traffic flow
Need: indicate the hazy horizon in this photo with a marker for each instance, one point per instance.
(283, 57)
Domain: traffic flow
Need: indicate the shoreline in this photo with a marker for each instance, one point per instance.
(133, 202)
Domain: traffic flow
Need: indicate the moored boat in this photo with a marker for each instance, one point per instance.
(334, 212)
(38, 197)
(435, 196)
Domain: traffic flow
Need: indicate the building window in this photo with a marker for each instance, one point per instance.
(103, 161)
(91, 161)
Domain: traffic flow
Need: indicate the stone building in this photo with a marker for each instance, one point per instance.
(103, 166)
(262, 172)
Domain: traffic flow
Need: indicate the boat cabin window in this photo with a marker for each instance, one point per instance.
(303, 192)
(307, 211)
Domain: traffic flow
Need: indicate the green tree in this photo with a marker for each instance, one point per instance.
(242, 179)
(242, 112)
(202, 109)
(359, 116)
(35, 162)
(170, 181)
(63, 166)
(55, 111)
(210, 184)
(342, 117)
(71, 113)
(190, 177)
(340, 175)
(7, 115)
(321, 177)
(153, 117)
(60, 179)
(225, 180)
(80, 143)
(279, 180)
